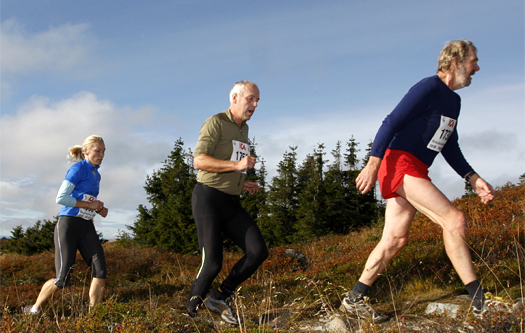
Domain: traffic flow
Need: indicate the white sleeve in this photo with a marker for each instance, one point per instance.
(63, 196)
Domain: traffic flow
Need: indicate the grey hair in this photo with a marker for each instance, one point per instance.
(456, 49)
(238, 88)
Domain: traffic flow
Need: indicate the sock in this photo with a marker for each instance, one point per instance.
(476, 294)
(221, 293)
(360, 289)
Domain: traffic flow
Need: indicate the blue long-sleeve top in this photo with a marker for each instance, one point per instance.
(82, 182)
(419, 120)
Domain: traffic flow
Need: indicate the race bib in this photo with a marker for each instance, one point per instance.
(442, 134)
(86, 213)
(240, 150)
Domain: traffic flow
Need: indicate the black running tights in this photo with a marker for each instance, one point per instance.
(216, 213)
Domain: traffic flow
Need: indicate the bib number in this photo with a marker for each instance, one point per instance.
(240, 151)
(86, 213)
(443, 133)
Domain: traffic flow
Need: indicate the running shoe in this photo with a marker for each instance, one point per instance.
(359, 306)
(29, 310)
(490, 303)
(223, 308)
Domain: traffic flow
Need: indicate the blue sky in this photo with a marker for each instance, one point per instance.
(143, 74)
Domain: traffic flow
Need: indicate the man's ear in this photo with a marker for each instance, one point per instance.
(455, 65)
(234, 98)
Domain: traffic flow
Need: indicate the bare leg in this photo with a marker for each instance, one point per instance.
(426, 198)
(48, 289)
(96, 291)
(398, 217)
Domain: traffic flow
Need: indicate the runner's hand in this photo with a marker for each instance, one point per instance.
(484, 190)
(95, 205)
(248, 162)
(103, 212)
(250, 187)
(366, 179)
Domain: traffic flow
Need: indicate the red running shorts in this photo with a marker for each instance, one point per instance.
(395, 165)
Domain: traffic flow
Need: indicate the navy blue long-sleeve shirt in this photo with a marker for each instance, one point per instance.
(424, 124)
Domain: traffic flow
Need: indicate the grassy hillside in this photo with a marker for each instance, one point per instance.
(147, 288)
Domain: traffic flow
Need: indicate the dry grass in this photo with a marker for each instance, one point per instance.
(147, 288)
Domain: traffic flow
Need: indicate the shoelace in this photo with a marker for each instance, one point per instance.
(366, 300)
(228, 302)
(490, 297)
(359, 299)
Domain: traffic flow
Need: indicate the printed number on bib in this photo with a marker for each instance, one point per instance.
(86, 213)
(240, 151)
(443, 133)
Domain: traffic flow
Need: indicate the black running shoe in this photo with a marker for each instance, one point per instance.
(223, 308)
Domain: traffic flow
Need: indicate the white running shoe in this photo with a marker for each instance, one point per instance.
(31, 310)
(359, 306)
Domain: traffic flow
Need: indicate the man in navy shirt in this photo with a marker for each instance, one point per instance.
(422, 125)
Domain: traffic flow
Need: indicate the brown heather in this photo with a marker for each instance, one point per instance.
(147, 288)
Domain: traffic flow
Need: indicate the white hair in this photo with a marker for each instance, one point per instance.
(238, 88)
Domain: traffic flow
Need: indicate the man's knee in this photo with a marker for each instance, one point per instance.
(456, 224)
(263, 254)
(394, 243)
(259, 254)
(211, 268)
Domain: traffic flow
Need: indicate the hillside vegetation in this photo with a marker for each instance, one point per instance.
(147, 287)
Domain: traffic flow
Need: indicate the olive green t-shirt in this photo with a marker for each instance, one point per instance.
(216, 139)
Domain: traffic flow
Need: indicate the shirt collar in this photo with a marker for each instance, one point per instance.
(230, 116)
(91, 165)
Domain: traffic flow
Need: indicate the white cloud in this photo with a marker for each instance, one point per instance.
(35, 142)
(57, 49)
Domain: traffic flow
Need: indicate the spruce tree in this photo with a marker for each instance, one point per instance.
(169, 224)
(339, 211)
(351, 159)
(253, 202)
(35, 239)
(278, 218)
(369, 208)
(311, 220)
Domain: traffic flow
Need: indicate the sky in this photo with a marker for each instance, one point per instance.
(143, 74)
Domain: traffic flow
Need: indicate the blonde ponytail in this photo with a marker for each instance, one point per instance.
(76, 153)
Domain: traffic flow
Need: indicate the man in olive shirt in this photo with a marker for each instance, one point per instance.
(222, 157)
